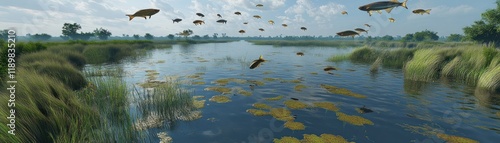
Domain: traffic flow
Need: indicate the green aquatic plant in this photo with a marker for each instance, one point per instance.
(329, 138)
(198, 104)
(151, 121)
(342, 91)
(490, 79)
(375, 66)
(326, 105)
(225, 81)
(274, 98)
(222, 90)
(268, 79)
(220, 99)
(294, 125)
(294, 104)
(498, 114)
(291, 81)
(299, 87)
(353, 119)
(339, 57)
(455, 139)
(286, 139)
(314, 73)
(193, 115)
(261, 106)
(256, 82)
(164, 138)
(282, 114)
(312, 138)
(257, 112)
(198, 82)
(244, 92)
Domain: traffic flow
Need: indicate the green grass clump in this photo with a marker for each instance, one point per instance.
(96, 54)
(490, 80)
(364, 54)
(425, 65)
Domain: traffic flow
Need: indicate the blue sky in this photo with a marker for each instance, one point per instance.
(321, 17)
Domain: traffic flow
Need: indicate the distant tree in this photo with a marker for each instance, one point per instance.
(425, 35)
(69, 30)
(368, 39)
(83, 36)
(387, 38)
(215, 35)
(136, 36)
(197, 37)
(102, 34)
(64, 37)
(41, 37)
(4, 34)
(454, 38)
(186, 33)
(486, 30)
(407, 37)
(148, 36)
(206, 37)
(171, 36)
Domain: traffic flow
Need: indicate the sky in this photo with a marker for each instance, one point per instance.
(320, 17)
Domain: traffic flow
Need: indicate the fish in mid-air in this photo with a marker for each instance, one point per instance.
(257, 16)
(271, 22)
(361, 30)
(303, 28)
(218, 15)
(245, 22)
(241, 31)
(237, 13)
(200, 15)
(422, 11)
(300, 54)
(222, 21)
(198, 22)
(382, 5)
(261, 29)
(344, 12)
(143, 13)
(176, 20)
(284, 25)
(348, 33)
(368, 25)
(259, 5)
(392, 19)
(256, 63)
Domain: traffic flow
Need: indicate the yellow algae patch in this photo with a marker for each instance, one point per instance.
(343, 91)
(299, 87)
(314, 73)
(161, 61)
(193, 115)
(150, 71)
(219, 89)
(261, 106)
(353, 119)
(198, 83)
(498, 114)
(274, 98)
(312, 138)
(270, 79)
(198, 103)
(455, 139)
(286, 139)
(194, 76)
(244, 92)
(267, 72)
(220, 99)
(326, 105)
(329, 138)
(225, 81)
(257, 112)
(281, 114)
(164, 138)
(294, 125)
(293, 104)
(256, 82)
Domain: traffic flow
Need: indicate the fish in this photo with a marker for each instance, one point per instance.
(348, 33)
(365, 110)
(382, 5)
(198, 22)
(218, 15)
(300, 54)
(245, 22)
(143, 13)
(368, 25)
(256, 63)
(241, 31)
(391, 19)
(422, 11)
(294, 98)
(344, 12)
(257, 16)
(222, 21)
(361, 30)
(284, 25)
(237, 13)
(271, 22)
(176, 20)
(329, 68)
(200, 14)
(303, 28)
(259, 5)
(261, 29)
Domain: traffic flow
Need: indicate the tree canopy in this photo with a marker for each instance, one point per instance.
(425, 35)
(148, 36)
(454, 38)
(41, 37)
(102, 34)
(486, 30)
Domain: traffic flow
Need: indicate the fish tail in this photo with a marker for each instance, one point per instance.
(404, 4)
(428, 11)
(130, 17)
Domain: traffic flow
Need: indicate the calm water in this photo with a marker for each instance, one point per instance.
(445, 107)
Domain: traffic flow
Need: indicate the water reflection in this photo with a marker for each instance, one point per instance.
(414, 87)
(486, 98)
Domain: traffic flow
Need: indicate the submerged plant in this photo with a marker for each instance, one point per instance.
(261, 106)
(274, 98)
(342, 91)
(354, 120)
(455, 139)
(257, 112)
(294, 104)
(294, 125)
(286, 139)
(326, 105)
(220, 99)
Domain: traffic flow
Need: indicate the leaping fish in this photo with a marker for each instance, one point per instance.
(382, 5)
(143, 13)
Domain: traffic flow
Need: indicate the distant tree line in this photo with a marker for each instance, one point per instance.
(487, 30)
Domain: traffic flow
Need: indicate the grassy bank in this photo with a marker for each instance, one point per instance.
(190, 41)
(474, 65)
(319, 43)
(425, 44)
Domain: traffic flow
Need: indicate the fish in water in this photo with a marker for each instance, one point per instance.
(176, 20)
(382, 5)
(368, 25)
(259, 5)
(271, 22)
(256, 63)
(237, 13)
(329, 68)
(391, 19)
(348, 33)
(284, 25)
(294, 98)
(245, 22)
(222, 21)
(422, 11)
(198, 22)
(200, 14)
(300, 54)
(218, 15)
(143, 13)
(365, 110)
(344, 12)
(303, 28)
(257, 16)
(361, 30)
(261, 29)
(241, 31)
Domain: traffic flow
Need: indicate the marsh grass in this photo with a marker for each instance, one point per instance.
(318, 43)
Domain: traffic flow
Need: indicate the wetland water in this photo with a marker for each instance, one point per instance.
(404, 111)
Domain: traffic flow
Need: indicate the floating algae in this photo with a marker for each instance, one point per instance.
(164, 138)
(198, 103)
(268, 72)
(220, 99)
(198, 83)
(342, 91)
(498, 114)
(326, 105)
(148, 71)
(294, 125)
(256, 82)
(257, 112)
(329, 138)
(353, 119)
(193, 115)
(314, 73)
(294, 104)
(225, 81)
(161, 61)
(244, 92)
(195, 76)
(291, 81)
(286, 139)
(299, 87)
(455, 139)
(219, 89)
(268, 79)
(261, 106)
(274, 98)
(312, 138)
(425, 129)
(281, 114)
(152, 121)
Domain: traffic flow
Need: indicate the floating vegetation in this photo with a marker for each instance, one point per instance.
(198, 103)
(164, 138)
(225, 81)
(257, 112)
(256, 82)
(151, 84)
(294, 125)
(455, 139)
(261, 106)
(268, 79)
(312, 138)
(220, 99)
(282, 114)
(353, 119)
(219, 89)
(498, 114)
(195, 76)
(299, 87)
(198, 83)
(149, 71)
(194, 115)
(212, 119)
(329, 138)
(152, 121)
(314, 73)
(342, 91)
(268, 72)
(274, 98)
(326, 105)
(425, 129)
(244, 92)
(161, 61)
(295, 104)
(291, 81)
(286, 139)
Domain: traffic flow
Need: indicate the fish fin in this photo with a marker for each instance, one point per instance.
(370, 13)
(379, 12)
(150, 17)
(428, 11)
(130, 17)
(145, 17)
(404, 4)
(389, 10)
